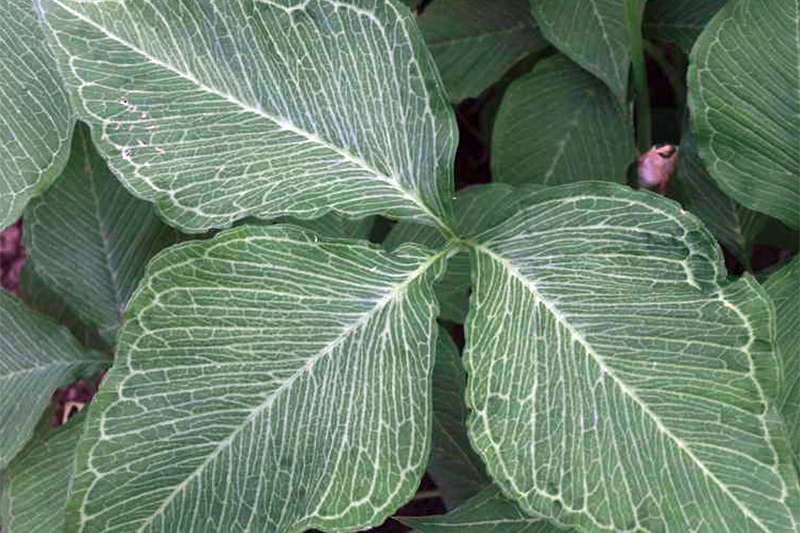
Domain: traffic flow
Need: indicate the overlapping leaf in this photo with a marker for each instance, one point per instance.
(33, 489)
(268, 380)
(488, 512)
(454, 467)
(222, 109)
(593, 33)
(35, 115)
(36, 357)
(452, 291)
(744, 92)
(784, 288)
(617, 381)
(90, 239)
(330, 225)
(679, 21)
(475, 42)
(40, 297)
(558, 125)
(735, 226)
(476, 208)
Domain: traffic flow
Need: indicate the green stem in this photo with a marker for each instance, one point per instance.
(633, 13)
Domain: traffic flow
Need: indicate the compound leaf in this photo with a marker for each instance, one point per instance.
(476, 207)
(616, 379)
(267, 380)
(223, 109)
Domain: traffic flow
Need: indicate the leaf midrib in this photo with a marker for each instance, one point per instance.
(600, 20)
(305, 369)
(581, 340)
(573, 124)
(280, 122)
(454, 441)
(107, 256)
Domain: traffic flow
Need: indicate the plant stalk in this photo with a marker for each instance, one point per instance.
(633, 15)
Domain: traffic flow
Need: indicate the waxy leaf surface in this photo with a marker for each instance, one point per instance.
(616, 379)
(744, 93)
(223, 109)
(35, 115)
(267, 380)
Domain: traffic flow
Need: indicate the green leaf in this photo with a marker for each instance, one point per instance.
(633, 388)
(332, 225)
(678, 21)
(593, 33)
(268, 380)
(33, 489)
(476, 208)
(784, 288)
(36, 357)
(89, 239)
(475, 42)
(558, 124)
(328, 225)
(39, 297)
(35, 115)
(488, 512)
(457, 471)
(452, 290)
(735, 226)
(748, 135)
(223, 109)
